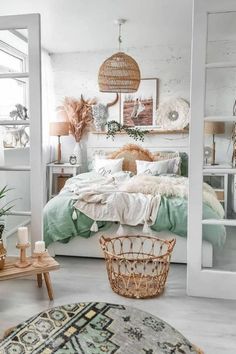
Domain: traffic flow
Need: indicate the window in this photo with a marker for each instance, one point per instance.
(13, 91)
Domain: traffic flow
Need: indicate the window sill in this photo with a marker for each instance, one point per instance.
(15, 148)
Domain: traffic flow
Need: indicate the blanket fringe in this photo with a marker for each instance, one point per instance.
(146, 229)
(120, 231)
(74, 215)
(94, 227)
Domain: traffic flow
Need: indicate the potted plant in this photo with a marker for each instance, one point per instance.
(3, 210)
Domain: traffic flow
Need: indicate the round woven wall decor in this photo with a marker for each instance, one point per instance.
(173, 114)
(119, 73)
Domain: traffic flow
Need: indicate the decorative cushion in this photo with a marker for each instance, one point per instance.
(156, 168)
(108, 166)
(164, 155)
(133, 152)
(130, 153)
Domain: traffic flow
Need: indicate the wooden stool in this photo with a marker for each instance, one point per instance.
(12, 272)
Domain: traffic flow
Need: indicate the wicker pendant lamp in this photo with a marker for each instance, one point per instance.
(120, 72)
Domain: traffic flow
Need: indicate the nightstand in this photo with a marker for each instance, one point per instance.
(65, 170)
(217, 176)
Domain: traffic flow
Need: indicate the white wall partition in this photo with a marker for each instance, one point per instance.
(218, 282)
(31, 74)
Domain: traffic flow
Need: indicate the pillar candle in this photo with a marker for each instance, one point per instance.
(39, 247)
(22, 235)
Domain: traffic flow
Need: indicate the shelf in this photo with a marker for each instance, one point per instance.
(218, 169)
(226, 222)
(220, 119)
(14, 75)
(221, 65)
(63, 165)
(15, 168)
(19, 213)
(14, 122)
(181, 131)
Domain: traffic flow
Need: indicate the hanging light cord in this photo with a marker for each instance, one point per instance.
(119, 38)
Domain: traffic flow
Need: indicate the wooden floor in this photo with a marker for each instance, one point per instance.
(210, 324)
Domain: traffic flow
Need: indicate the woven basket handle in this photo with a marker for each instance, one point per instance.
(172, 244)
(103, 241)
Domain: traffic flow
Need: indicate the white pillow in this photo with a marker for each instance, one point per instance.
(156, 168)
(108, 166)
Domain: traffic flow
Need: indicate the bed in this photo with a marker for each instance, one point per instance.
(73, 223)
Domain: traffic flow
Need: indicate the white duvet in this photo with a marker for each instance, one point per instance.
(132, 200)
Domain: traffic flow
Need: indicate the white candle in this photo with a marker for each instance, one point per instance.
(39, 247)
(22, 235)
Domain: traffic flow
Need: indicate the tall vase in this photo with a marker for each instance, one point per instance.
(78, 152)
(3, 251)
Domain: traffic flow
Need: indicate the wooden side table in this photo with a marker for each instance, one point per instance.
(12, 272)
(60, 169)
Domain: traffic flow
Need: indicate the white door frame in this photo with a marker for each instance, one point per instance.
(203, 282)
(32, 23)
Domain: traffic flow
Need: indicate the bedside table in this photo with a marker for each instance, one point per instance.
(55, 170)
(217, 176)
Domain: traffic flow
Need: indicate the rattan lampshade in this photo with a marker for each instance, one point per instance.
(119, 73)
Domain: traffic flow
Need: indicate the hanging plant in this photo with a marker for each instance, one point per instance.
(114, 127)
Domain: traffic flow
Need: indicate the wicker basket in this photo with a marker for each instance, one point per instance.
(137, 266)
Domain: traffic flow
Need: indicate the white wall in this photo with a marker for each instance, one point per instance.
(76, 73)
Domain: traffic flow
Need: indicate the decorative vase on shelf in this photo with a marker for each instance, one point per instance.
(78, 152)
(3, 251)
(100, 115)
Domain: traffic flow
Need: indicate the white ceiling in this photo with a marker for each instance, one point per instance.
(87, 25)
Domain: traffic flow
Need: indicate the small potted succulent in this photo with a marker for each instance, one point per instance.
(3, 210)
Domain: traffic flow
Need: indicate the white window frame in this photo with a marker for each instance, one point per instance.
(203, 282)
(30, 22)
(19, 55)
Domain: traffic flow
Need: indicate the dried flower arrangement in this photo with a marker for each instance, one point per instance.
(79, 115)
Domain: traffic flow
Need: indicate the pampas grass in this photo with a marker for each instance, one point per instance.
(78, 113)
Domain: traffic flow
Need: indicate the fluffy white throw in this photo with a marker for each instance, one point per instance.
(170, 187)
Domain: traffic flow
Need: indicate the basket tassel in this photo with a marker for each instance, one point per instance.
(94, 227)
(120, 231)
(146, 229)
(74, 215)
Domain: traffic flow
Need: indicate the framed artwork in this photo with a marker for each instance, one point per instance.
(139, 108)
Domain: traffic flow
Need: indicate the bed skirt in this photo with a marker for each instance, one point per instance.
(90, 247)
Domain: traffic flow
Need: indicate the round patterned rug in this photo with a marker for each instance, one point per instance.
(95, 328)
